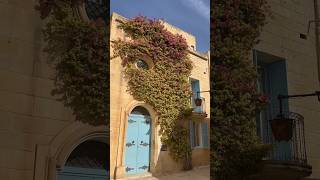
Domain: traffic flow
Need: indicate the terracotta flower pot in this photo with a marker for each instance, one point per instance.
(282, 129)
(198, 102)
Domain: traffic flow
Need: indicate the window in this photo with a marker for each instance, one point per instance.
(142, 64)
(195, 88)
(199, 134)
(89, 160)
(272, 81)
(89, 154)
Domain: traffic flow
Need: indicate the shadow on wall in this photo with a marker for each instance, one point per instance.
(166, 165)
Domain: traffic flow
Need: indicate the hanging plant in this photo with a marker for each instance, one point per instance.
(78, 51)
(236, 150)
(165, 86)
(282, 128)
(198, 101)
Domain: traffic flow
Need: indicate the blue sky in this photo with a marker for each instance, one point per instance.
(190, 15)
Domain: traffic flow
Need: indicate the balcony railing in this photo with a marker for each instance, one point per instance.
(291, 152)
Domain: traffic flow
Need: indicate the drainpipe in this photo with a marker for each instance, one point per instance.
(316, 16)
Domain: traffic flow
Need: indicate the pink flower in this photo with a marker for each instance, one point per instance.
(264, 99)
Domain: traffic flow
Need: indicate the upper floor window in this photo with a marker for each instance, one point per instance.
(272, 81)
(195, 88)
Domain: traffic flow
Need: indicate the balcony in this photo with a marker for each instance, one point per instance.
(199, 109)
(288, 159)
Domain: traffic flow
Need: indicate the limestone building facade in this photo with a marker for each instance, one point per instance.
(123, 108)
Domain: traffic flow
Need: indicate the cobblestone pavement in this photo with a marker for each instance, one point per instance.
(201, 173)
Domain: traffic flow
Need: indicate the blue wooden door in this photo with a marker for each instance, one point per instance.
(137, 157)
(77, 173)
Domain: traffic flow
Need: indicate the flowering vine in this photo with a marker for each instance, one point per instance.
(78, 50)
(236, 151)
(165, 85)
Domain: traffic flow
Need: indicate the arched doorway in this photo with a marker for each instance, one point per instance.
(88, 161)
(138, 138)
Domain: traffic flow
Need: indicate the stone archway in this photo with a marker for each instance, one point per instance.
(88, 161)
(63, 145)
(119, 171)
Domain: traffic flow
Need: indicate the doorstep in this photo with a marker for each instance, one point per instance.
(137, 176)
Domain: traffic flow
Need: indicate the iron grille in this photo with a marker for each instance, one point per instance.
(90, 154)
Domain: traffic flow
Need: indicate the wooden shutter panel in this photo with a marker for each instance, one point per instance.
(205, 134)
(191, 134)
(277, 84)
(196, 88)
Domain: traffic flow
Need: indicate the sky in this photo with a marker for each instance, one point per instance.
(191, 16)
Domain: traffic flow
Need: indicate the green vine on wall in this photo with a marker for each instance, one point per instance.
(236, 150)
(165, 86)
(79, 51)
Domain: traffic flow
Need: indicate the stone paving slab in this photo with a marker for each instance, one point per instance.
(201, 173)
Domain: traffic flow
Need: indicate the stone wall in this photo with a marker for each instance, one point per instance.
(34, 127)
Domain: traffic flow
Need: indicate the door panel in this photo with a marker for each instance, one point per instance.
(131, 145)
(144, 144)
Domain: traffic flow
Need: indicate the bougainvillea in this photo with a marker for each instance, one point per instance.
(236, 151)
(79, 52)
(165, 85)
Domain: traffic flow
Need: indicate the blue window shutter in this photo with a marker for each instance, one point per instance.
(205, 134)
(196, 88)
(277, 84)
(277, 76)
(191, 134)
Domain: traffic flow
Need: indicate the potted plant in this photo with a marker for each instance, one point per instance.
(198, 101)
(282, 128)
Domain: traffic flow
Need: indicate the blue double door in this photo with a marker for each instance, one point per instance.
(137, 157)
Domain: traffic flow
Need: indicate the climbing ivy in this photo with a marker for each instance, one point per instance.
(236, 151)
(165, 86)
(79, 52)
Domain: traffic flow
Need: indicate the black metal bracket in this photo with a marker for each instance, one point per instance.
(198, 92)
(281, 97)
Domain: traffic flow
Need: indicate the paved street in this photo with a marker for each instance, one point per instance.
(202, 173)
